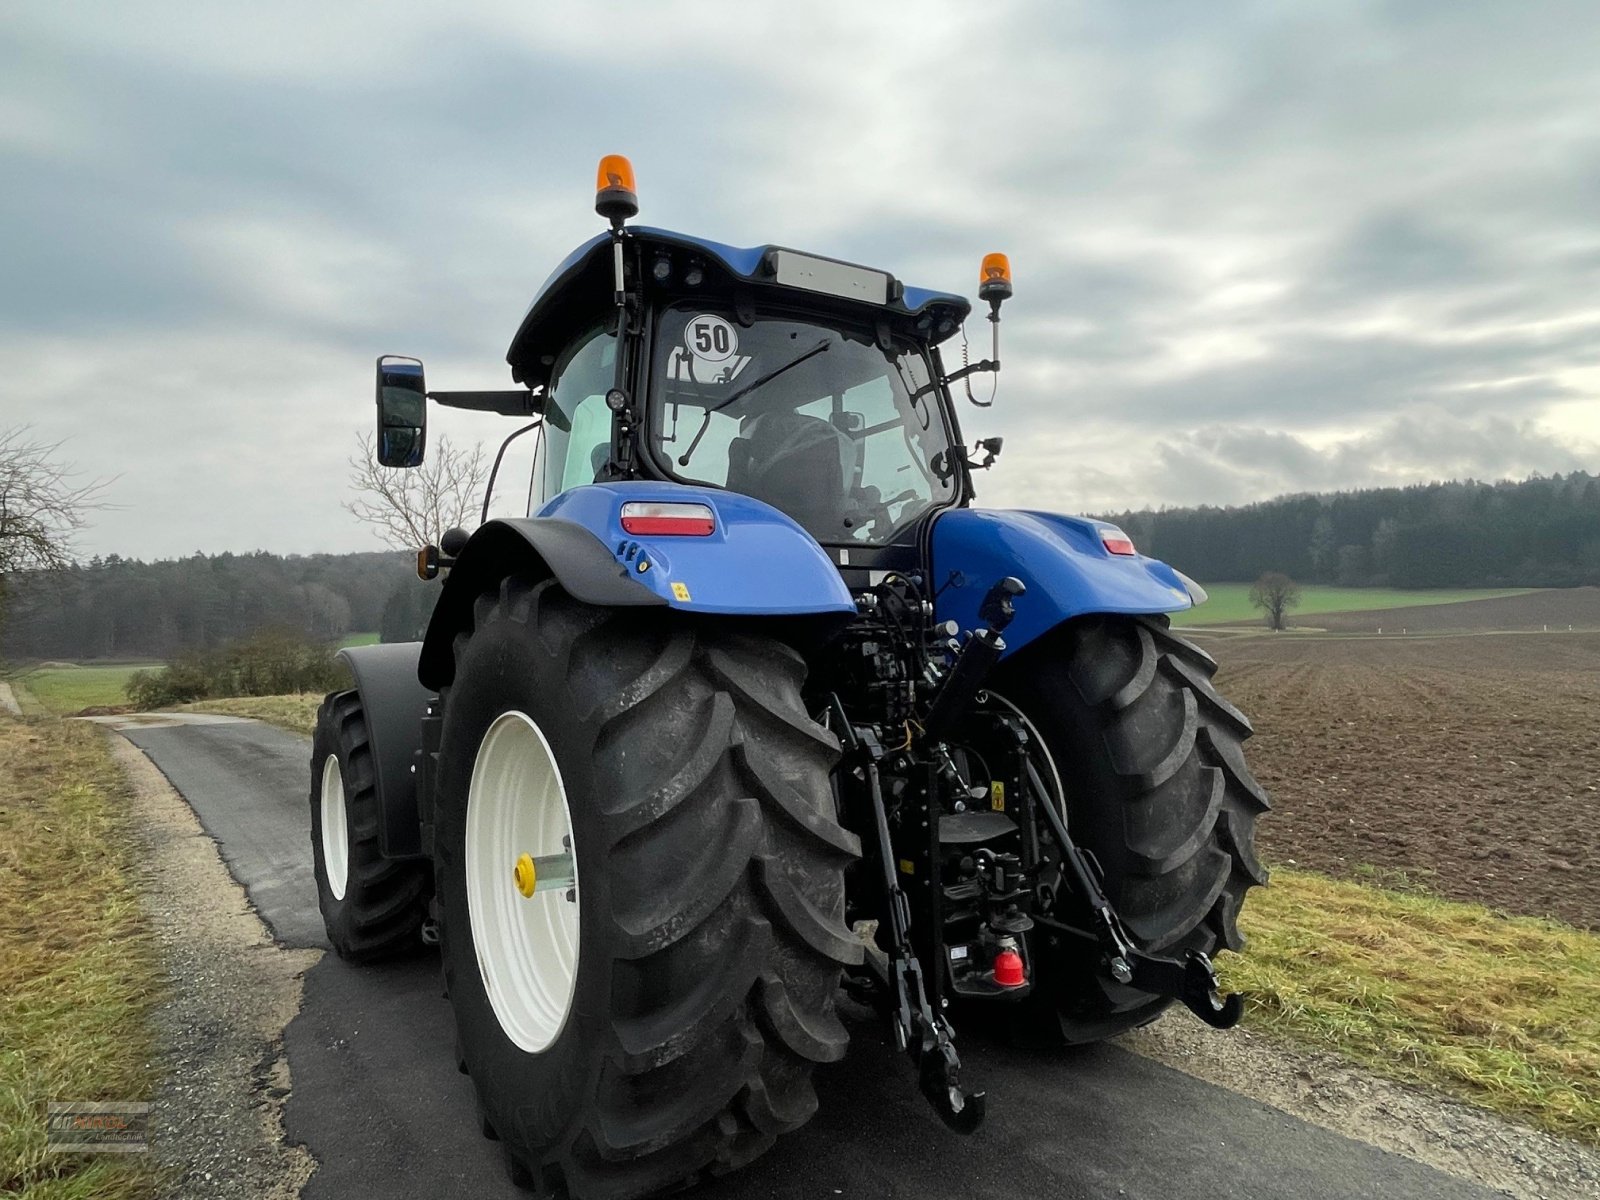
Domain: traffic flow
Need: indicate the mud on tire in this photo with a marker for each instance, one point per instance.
(1151, 759)
(711, 873)
(384, 901)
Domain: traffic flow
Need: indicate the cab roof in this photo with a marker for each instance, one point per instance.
(579, 292)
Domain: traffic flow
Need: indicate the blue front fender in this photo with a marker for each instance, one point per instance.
(1067, 569)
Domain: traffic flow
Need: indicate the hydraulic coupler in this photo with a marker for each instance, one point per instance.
(973, 663)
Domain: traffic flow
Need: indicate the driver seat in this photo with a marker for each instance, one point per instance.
(801, 465)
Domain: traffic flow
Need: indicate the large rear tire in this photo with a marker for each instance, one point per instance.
(1150, 756)
(686, 989)
(372, 906)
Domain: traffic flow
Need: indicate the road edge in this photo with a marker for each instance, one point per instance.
(218, 1113)
(1322, 1089)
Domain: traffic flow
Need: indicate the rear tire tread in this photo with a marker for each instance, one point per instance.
(1168, 803)
(740, 955)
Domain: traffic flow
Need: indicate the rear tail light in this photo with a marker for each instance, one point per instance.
(651, 518)
(1117, 542)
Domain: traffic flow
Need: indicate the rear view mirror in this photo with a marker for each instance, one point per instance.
(402, 411)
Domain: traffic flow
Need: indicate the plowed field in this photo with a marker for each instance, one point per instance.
(1469, 763)
(1552, 609)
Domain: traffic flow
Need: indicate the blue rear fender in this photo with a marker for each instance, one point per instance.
(1062, 560)
(756, 561)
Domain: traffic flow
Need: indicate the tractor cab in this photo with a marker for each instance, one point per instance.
(810, 384)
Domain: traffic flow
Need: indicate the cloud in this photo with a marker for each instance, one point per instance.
(1234, 464)
(1255, 246)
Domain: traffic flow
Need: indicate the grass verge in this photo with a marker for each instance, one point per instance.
(1231, 601)
(1500, 1011)
(78, 971)
(296, 712)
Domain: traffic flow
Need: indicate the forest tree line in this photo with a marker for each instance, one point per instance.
(117, 607)
(1543, 532)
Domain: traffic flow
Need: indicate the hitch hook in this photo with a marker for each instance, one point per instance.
(1202, 994)
(939, 1075)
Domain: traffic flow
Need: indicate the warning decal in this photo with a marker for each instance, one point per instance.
(710, 338)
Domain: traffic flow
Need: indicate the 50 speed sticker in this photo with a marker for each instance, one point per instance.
(711, 338)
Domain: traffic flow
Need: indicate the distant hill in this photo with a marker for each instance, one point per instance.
(1543, 532)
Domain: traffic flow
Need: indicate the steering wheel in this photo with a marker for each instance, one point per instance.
(867, 500)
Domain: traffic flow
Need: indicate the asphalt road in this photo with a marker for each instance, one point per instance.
(377, 1099)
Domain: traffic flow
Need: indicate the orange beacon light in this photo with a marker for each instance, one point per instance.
(615, 196)
(994, 278)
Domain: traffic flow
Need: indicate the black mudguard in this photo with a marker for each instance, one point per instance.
(537, 548)
(394, 702)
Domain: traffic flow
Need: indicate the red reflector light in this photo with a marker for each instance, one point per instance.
(670, 520)
(1117, 542)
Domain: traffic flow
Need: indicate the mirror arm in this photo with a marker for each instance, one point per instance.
(522, 403)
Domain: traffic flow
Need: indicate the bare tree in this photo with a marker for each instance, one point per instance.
(412, 507)
(41, 504)
(1275, 594)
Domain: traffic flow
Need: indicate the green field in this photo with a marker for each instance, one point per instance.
(359, 639)
(1231, 601)
(70, 689)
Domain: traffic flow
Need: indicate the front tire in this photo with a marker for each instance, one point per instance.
(1150, 756)
(372, 906)
(709, 907)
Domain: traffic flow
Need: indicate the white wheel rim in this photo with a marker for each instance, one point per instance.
(335, 833)
(527, 946)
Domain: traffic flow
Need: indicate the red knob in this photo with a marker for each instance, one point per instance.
(1008, 970)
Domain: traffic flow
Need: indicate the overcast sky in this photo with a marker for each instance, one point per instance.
(1258, 247)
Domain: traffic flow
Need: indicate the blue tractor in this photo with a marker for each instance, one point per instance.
(754, 710)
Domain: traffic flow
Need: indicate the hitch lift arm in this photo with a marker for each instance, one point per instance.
(919, 1030)
(1191, 979)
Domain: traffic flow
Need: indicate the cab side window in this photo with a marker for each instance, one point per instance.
(577, 423)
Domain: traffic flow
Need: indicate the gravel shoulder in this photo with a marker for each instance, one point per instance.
(217, 1116)
(1327, 1091)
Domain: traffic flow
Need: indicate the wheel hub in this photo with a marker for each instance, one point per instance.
(525, 920)
(550, 873)
(335, 832)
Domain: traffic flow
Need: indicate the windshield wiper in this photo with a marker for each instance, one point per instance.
(705, 424)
